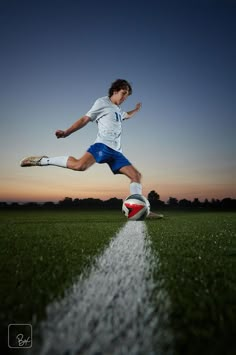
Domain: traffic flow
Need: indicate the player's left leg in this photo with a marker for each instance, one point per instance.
(81, 164)
(68, 162)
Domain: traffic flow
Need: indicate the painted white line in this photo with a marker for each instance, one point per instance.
(112, 311)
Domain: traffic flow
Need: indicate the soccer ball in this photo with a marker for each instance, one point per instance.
(136, 207)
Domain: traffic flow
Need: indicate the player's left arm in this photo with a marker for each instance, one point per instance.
(131, 113)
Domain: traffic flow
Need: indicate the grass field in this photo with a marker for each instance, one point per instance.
(198, 264)
(42, 253)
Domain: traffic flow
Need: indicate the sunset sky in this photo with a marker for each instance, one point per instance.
(58, 57)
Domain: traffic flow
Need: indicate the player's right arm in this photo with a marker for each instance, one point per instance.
(80, 123)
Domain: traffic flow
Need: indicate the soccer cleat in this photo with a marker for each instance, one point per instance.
(32, 161)
(153, 215)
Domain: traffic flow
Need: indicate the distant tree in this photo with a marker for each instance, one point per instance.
(228, 203)
(76, 202)
(185, 203)
(113, 203)
(3, 204)
(154, 199)
(153, 196)
(49, 204)
(32, 205)
(196, 203)
(67, 202)
(172, 202)
(14, 204)
(90, 202)
(215, 203)
(206, 203)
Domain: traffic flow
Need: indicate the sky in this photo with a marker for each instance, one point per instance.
(57, 57)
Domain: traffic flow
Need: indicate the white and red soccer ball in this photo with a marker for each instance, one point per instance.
(136, 207)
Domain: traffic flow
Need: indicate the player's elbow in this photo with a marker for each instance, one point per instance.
(85, 120)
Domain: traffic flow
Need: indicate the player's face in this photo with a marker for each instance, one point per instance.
(120, 96)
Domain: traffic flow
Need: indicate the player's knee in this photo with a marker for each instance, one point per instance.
(80, 166)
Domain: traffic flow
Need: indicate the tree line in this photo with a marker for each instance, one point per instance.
(115, 203)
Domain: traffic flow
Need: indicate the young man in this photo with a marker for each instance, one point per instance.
(108, 115)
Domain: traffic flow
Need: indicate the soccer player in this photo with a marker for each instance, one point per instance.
(109, 116)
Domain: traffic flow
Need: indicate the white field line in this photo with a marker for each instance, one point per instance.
(112, 311)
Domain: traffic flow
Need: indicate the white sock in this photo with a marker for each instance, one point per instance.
(135, 188)
(57, 161)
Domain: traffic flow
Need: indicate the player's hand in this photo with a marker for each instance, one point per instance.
(138, 106)
(60, 134)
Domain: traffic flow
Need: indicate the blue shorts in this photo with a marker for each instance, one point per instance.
(104, 154)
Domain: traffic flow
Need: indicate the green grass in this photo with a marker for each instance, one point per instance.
(42, 253)
(198, 265)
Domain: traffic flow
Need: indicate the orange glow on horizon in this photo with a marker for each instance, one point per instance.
(178, 191)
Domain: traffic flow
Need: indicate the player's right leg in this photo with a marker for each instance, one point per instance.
(136, 187)
(135, 178)
(81, 164)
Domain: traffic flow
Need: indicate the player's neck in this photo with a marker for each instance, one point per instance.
(113, 100)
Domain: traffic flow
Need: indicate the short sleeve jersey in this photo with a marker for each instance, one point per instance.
(108, 117)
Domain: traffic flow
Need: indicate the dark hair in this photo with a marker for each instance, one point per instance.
(118, 85)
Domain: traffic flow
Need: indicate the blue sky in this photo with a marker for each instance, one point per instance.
(57, 57)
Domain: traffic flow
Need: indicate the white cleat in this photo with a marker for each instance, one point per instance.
(32, 161)
(153, 215)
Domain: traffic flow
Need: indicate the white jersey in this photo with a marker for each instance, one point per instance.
(108, 117)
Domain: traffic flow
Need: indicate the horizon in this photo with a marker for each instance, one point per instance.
(107, 199)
